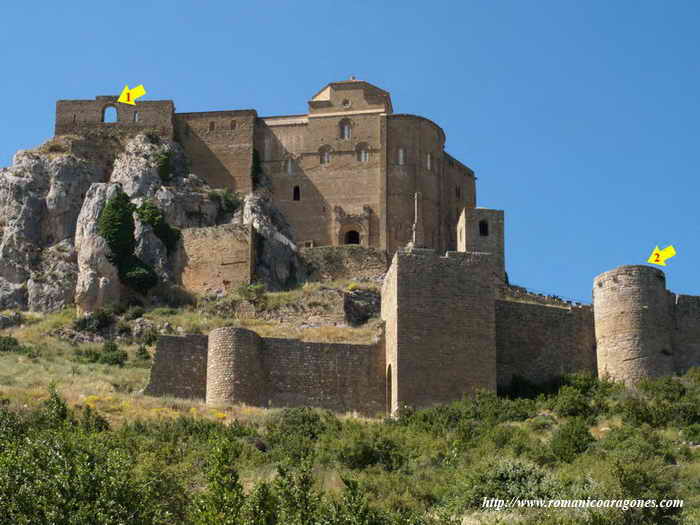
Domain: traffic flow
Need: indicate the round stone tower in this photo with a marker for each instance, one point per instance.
(633, 326)
(234, 367)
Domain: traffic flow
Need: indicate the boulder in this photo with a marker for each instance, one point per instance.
(361, 305)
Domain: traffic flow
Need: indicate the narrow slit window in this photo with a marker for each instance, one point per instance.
(402, 156)
(483, 228)
(233, 125)
(296, 193)
(212, 126)
(290, 167)
(136, 116)
(429, 162)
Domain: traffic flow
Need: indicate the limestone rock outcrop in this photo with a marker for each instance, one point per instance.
(98, 280)
(40, 198)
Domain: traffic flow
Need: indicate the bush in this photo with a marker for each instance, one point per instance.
(503, 479)
(137, 275)
(692, 433)
(228, 201)
(109, 355)
(112, 355)
(163, 163)
(295, 430)
(94, 322)
(571, 439)
(134, 312)
(150, 214)
(10, 344)
(366, 450)
(571, 402)
(255, 294)
(142, 353)
(116, 225)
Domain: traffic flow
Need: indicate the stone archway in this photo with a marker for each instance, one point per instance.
(352, 237)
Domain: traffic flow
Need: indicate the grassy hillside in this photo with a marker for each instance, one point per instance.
(79, 444)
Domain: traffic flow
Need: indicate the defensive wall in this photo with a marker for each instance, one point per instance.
(217, 257)
(642, 329)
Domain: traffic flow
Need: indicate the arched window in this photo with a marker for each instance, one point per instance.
(352, 237)
(75, 119)
(109, 114)
(345, 129)
(233, 125)
(325, 154)
(290, 166)
(362, 153)
(296, 193)
(429, 162)
(402, 156)
(212, 126)
(483, 228)
(136, 116)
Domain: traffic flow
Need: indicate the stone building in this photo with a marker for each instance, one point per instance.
(352, 172)
(345, 172)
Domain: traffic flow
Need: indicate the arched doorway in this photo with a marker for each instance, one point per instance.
(352, 237)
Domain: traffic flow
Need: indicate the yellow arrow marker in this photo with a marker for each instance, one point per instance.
(659, 256)
(129, 96)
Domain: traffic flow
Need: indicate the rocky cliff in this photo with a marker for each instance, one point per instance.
(51, 251)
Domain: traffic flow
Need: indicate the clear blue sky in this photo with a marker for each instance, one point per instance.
(581, 119)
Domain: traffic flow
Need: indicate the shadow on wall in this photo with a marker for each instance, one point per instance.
(304, 205)
(204, 162)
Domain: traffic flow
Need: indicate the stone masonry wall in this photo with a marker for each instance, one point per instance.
(329, 263)
(244, 368)
(686, 334)
(217, 257)
(81, 117)
(540, 343)
(179, 367)
(633, 323)
(219, 144)
(444, 338)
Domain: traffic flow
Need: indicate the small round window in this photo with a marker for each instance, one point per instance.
(346, 103)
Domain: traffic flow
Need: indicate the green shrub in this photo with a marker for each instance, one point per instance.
(163, 163)
(134, 312)
(227, 200)
(150, 214)
(692, 433)
(374, 449)
(571, 402)
(142, 353)
(112, 355)
(635, 443)
(503, 479)
(137, 275)
(116, 226)
(94, 322)
(92, 421)
(571, 439)
(11, 344)
(255, 294)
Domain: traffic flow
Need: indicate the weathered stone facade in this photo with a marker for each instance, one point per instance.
(346, 172)
(217, 258)
(642, 329)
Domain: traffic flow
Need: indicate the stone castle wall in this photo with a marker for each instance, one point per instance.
(330, 263)
(541, 343)
(82, 117)
(217, 257)
(633, 323)
(440, 326)
(219, 145)
(270, 372)
(179, 367)
(686, 332)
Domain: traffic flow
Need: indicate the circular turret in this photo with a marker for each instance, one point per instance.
(234, 367)
(632, 323)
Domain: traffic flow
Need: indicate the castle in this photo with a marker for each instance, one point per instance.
(353, 172)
